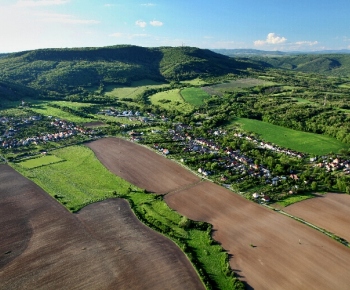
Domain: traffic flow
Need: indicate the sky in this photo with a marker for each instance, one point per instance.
(286, 25)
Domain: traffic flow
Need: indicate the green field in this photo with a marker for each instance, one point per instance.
(132, 91)
(194, 96)
(82, 179)
(171, 100)
(294, 198)
(44, 109)
(292, 139)
(41, 161)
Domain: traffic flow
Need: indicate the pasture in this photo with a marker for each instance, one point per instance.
(194, 96)
(41, 161)
(296, 140)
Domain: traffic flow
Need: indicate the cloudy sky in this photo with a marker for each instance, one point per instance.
(286, 25)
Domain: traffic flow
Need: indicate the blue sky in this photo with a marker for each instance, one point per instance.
(288, 25)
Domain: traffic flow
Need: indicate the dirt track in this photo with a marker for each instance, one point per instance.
(286, 254)
(330, 212)
(104, 246)
(141, 166)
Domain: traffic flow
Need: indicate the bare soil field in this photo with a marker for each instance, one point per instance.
(141, 166)
(268, 250)
(104, 246)
(330, 212)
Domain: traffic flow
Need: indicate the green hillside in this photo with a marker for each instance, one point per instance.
(329, 64)
(13, 92)
(68, 70)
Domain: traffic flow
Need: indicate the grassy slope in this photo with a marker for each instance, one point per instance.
(176, 101)
(288, 138)
(194, 96)
(81, 179)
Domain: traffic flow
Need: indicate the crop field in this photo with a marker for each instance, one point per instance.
(46, 110)
(292, 139)
(103, 246)
(269, 250)
(141, 166)
(264, 245)
(136, 88)
(41, 161)
(329, 211)
(171, 99)
(194, 96)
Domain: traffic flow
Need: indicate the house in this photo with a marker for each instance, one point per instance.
(266, 198)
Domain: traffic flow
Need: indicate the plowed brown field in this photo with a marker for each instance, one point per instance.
(141, 166)
(330, 212)
(268, 250)
(104, 246)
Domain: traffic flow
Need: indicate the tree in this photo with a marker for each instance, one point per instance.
(314, 185)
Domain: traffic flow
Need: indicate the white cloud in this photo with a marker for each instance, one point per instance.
(33, 3)
(271, 38)
(64, 18)
(156, 23)
(148, 4)
(129, 36)
(308, 43)
(141, 23)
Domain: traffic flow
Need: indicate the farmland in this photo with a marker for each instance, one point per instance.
(239, 223)
(43, 244)
(82, 180)
(329, 211)
(300, 141)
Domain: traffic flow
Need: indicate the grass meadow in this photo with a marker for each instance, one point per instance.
(194, 96)
(136, 88)
(171, 100)
(294, 198)
(44, 109)
(300, 141)
(41, 161)
(81, 180)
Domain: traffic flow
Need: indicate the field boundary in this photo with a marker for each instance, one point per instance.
(323, 231)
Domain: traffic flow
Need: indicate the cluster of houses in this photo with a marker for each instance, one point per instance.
(269, 146)
(333, 164)
(64, 130)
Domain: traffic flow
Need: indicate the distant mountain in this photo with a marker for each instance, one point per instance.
(328, 64)
(248, 52)
(256, 52)
(63, 70)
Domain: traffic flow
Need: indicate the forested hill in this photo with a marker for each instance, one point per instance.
(328, 64)
(13, 92)
(61, 70)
